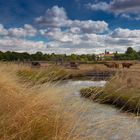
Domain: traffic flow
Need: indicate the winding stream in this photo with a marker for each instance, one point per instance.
(99, 121)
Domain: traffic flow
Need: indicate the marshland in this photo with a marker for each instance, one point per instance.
(48, 102)
(70, 70)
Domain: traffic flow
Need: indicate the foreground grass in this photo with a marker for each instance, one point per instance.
(40, 112)
(123, 91)
(31, 113)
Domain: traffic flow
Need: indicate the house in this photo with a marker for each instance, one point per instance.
(105, 56)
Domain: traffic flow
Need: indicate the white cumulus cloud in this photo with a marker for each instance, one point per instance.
(56, 17)
(25, 31)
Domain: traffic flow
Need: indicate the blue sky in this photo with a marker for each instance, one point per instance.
(69, 26)
(19, 12)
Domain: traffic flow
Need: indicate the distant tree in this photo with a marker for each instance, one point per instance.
(131, 53)
(73, 57)
(39, 56)
(130, 50)
(1, 55)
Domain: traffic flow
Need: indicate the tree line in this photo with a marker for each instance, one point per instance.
(130, 54)
(39, 56)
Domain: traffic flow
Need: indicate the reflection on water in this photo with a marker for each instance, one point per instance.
(82, 84)
(99, 121)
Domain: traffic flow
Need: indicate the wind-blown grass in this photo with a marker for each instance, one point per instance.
(40, 111)
(31, 113)
(40, 76)
(123, 91)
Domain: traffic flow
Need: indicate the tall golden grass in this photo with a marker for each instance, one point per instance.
(34, 110)
(31, 112)
(42, 75)
(123, 91)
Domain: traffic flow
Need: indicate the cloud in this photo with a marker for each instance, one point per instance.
(123, 8)
(26, 31)
(125, 33)
(75, 36)
(3, 31)
(65, 42)
(15, 39)
(69, 42)
(21, 45)
(56, 17)
(64, 35)
(103, 6)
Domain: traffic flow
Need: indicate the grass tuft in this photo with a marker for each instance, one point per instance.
(40, 76)
(32, 112)
(123, 91)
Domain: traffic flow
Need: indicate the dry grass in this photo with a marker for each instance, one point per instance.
(31, 113)
(40, 111)
(88, 68)
(123, 91)
(85, 68)
(40, 76)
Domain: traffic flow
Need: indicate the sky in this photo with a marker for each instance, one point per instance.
(69, 26)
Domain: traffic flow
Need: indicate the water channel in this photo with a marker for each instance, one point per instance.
(100, 121)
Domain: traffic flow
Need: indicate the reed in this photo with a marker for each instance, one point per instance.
(32, 112)
(123, 91)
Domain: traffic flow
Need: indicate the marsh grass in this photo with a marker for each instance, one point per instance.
(123, 91)
(32, 113)
(40, 76)
(41, 112)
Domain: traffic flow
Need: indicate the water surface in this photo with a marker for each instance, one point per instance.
(98, 121)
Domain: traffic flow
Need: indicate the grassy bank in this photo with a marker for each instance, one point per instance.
(40, 76)
(32, 112)
(44, 112)
(123, 91)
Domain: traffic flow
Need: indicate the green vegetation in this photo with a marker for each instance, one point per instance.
(39, 56)
(130, 54)
(123, 91)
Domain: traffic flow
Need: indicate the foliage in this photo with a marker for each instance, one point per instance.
(130, 54)
(39, 56)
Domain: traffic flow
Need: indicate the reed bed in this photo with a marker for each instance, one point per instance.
(31, 112)
(123, 91)
(34, 107)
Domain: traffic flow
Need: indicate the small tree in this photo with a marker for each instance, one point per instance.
(130, 50)
(131, 54)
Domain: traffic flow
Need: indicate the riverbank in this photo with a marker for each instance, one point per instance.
(31, 109)
(95, 72)
(58, 73)
(122, 91)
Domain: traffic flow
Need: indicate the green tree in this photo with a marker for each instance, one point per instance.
(131, 54)
(130, 50)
